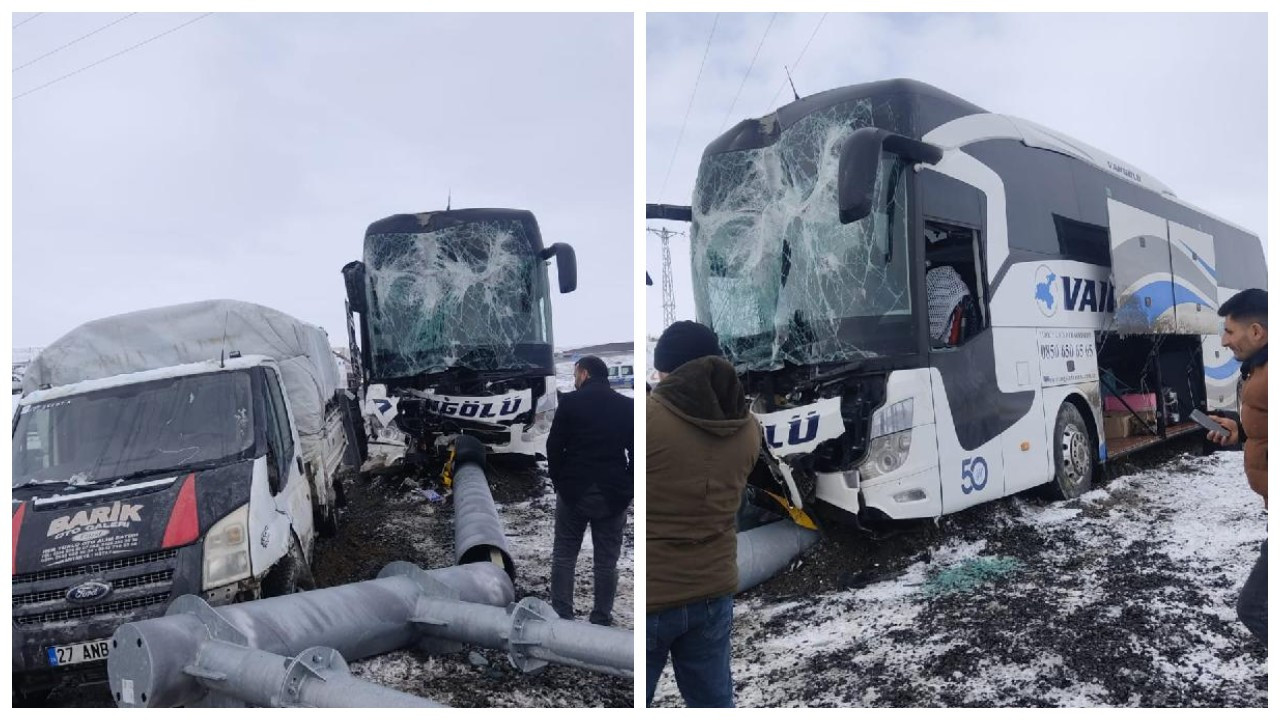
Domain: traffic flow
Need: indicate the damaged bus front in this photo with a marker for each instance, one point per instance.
(455, 327)
(814, 313)
(925, 306)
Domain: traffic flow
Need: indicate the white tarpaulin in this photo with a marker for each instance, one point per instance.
(193, 332)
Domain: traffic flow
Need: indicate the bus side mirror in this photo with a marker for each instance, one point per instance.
(860, 161)
(566, 265)
(353, 276)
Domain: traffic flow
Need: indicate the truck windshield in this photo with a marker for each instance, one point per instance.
(473, 295)
(776, 274)
(130, 430)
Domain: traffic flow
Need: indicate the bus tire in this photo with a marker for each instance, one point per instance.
(1073, 455)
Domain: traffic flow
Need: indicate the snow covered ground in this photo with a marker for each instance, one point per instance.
(1124, 597)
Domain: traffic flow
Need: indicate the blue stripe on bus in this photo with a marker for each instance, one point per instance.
(1223, 371)
(1196, 256)
(1159, 292)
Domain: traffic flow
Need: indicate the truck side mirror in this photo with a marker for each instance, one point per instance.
(860, 161)
(353, 276)
(566, 265)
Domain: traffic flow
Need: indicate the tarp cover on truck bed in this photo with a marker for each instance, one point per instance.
(193, 332)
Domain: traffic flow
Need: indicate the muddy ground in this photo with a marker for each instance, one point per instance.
(389, 518)
(1125, 597)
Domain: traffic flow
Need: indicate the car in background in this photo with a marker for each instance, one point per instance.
(622, 376)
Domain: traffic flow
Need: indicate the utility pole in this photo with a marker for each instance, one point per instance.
(668, 283)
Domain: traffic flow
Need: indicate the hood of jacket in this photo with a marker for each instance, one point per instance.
(705, 393)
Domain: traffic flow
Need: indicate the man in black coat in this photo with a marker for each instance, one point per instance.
(589, 457)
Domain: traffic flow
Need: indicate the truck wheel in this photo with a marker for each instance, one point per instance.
(1073, 453)
(327, 523)
(290, 575)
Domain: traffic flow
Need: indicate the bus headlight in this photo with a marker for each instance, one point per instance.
(226, 550)
(542, 422)
(887, 453)
(892, 418)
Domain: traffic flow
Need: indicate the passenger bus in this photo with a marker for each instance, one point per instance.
(1073, 297)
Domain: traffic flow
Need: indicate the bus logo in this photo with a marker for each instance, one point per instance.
(1046, 299)
(1074, 293)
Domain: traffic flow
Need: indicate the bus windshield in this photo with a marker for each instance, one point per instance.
(131, 430)
(776, 274)
(472, 295)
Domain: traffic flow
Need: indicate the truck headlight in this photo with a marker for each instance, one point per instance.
(226, 550)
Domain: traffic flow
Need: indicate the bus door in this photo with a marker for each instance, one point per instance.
(961, 343)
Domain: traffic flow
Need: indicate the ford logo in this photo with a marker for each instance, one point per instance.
(88, 592)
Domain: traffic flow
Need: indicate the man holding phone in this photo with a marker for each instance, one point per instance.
(1245, 334)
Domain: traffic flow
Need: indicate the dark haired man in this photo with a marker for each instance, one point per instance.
(701, 444)
(589, 453)
(1245, 334)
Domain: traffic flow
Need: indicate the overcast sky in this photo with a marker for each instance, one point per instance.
(1183, 97)
(244, 156)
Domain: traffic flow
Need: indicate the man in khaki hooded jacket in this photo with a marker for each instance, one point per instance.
(701, 445)
(1245, 334)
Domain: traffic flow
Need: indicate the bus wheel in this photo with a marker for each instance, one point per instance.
(1072, 455)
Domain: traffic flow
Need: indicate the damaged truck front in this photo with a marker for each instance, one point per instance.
(455, 328)
(193, 449)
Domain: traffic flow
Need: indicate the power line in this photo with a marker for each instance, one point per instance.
(772, 103)
(73, 42)
(131, 48)
(692, 95)
(27, 20)
(750, 66)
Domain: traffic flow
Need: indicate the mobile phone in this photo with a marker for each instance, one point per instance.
(1209, 424)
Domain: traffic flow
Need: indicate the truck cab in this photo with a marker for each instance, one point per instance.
(132, 490)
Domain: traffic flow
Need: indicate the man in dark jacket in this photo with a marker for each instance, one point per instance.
(589, 454)
(701, 445)
(1245, 334)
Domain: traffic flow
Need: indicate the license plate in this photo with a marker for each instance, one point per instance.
(60, 655)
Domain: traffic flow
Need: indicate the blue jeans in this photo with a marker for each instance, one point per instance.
(696, 636)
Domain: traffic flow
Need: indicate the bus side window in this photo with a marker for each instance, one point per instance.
(954, 279)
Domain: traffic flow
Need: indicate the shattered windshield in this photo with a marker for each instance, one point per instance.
(129, 430)
(776, 274)
(471, 295)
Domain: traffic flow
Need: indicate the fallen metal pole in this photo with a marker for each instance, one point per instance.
(197, 654)
(478, 535)
(767, 550)
(317, 677)
(531, 633)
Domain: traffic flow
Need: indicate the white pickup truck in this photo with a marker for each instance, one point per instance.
(191, 449)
